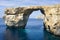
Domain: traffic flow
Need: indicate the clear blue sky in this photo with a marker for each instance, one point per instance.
(17, 3)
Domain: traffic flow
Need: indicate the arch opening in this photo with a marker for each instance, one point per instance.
(35, 20)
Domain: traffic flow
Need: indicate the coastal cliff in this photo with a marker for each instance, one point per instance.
(17, 17)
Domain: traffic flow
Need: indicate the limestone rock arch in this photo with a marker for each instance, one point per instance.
(17, 17)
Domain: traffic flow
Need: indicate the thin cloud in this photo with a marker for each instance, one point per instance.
(27, 2)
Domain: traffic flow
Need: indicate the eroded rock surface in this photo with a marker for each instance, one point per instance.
(17, 17)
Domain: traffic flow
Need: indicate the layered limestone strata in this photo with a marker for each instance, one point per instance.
(17, 17)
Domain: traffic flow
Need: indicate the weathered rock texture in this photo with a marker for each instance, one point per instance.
(17, 17)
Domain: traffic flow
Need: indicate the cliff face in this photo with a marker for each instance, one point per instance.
(17, 17)
(52, 19)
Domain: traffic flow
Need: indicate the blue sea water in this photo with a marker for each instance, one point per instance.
(34, 30)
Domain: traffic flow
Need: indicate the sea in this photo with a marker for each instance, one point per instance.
(34, 30)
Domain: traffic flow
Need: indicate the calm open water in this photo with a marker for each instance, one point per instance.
(34, 31)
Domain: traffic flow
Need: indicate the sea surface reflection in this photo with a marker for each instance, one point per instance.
(49, 36)
(15, 34)
(34, 30)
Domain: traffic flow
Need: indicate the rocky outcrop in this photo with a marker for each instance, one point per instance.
(17, 17)
(52, 19)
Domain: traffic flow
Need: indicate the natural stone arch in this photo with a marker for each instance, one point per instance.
(29, 11)
(18, 17)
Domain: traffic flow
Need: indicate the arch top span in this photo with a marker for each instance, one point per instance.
(18, 17)
(29, 8)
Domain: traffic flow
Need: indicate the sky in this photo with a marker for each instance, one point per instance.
(19, 3)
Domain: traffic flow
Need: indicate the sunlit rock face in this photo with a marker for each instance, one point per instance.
(17, 17)
(52, 19)
(14, 17)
